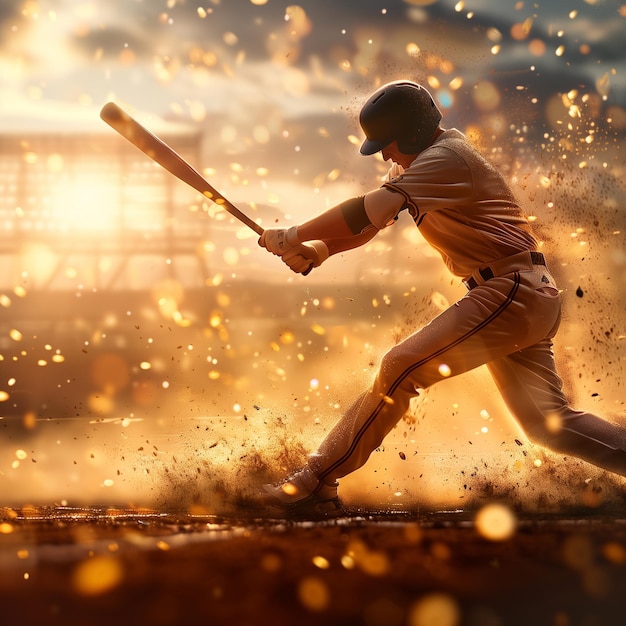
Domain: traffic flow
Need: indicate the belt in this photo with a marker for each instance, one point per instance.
(522, 260)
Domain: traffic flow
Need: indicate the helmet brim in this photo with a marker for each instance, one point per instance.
(369, 146)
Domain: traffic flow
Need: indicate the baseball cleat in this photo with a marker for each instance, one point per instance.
(301, 496)
(313, 507)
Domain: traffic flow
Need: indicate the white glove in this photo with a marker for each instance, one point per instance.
(394, 171)
(305, 256)
(279, 240)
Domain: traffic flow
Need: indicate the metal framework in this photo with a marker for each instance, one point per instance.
(95, 203)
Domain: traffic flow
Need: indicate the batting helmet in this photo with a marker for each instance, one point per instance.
(402, 111)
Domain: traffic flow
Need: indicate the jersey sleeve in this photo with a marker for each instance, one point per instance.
(437, 179)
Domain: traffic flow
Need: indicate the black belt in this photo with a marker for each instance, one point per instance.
(537, 258)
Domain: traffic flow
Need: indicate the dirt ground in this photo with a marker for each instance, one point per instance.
(115, 566)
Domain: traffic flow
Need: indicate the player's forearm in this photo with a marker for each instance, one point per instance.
(336, 246)
(332, 224)
(353, 217)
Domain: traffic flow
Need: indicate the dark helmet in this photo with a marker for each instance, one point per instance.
(402, 111)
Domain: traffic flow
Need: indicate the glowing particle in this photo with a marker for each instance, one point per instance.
(6, 528)
(486, 95)
(289, 489)
(554, 423)
(614, 552)
(484, 414)
(496, 522)
(97, 575)
(459, 6)
(29, 420)
(560, 51)
(444, 370)
(313, 594)
(439, 300)
(434, 82)
(412, 49)
(519, 32)
(15, 334)
(537, 47)
(108, 483)
(374, 562)
(21, 454)
(314, 383)
(271, 562)
(163, 546)
(347, 561)
(321, 562)
(4, 396)
(145, 365)
(435, 608)
(494, 35)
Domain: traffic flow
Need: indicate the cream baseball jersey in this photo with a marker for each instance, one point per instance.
(461, 204)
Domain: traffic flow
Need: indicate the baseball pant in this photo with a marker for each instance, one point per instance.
(507, 321)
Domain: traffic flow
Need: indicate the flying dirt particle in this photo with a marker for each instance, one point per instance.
(579, 292)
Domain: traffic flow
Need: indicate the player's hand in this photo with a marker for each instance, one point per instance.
(279, 240)
(305, 256)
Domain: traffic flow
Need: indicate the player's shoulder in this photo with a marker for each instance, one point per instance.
(452, 140)
(453, 146)
(448, 150)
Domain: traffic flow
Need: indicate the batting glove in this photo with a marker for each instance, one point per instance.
(306, 256)
(279, 240)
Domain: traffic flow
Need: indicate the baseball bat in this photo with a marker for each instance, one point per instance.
(165, 156)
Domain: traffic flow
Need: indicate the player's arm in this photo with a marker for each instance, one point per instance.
(353, 217)
(347, 222)
(304, 256)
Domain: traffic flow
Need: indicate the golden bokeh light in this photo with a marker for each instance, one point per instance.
(496, 522)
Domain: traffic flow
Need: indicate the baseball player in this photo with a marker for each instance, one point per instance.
(465, 209)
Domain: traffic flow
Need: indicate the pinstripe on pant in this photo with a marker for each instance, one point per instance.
(507, 323)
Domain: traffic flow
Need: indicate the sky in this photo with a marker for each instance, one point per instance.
(277, 86)
(183, 59)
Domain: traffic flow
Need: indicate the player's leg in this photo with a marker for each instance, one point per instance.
(487, 324)
(533, 392)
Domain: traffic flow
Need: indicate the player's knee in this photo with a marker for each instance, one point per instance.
(397, 369)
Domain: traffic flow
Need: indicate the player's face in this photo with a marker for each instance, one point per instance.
(393, 152)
